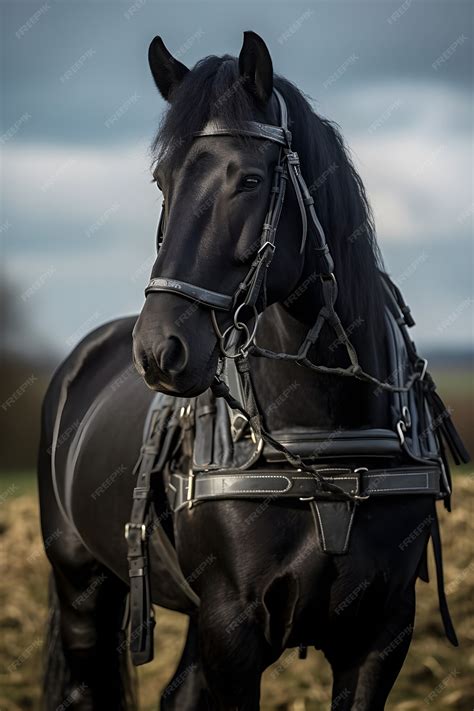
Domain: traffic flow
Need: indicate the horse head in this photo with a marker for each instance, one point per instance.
(217, 187)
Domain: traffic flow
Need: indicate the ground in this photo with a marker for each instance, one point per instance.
(435, 674)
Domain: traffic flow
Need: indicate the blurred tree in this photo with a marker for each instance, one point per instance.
(23, 381)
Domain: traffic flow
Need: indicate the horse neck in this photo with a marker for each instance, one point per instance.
(291, 396)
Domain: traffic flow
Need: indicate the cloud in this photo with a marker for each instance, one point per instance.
(78, 186)
(412, 146)
(90, 213)
(407, 144)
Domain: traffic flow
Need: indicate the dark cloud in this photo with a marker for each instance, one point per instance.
(79, 62)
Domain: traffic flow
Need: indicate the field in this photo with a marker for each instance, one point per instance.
(433, 669)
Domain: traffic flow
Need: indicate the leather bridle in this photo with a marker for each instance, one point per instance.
(253, 285)
(252, 289)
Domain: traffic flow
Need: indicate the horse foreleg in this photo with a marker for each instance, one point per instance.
(363, 681)
(187, 690)
(233, 653)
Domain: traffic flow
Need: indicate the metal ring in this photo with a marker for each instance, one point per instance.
(239, 326)
(242, 349)
(216, 325)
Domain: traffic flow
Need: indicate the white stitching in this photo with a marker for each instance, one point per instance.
(251, 491)
(243, 476)
(404, 488)
(415, 488)
(244, 491)
(332, 478)
(320, 526)
(349, 529)
(387, 474)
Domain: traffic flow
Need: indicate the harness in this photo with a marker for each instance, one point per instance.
(216, 446)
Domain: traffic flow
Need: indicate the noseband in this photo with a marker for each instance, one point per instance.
(253, 286)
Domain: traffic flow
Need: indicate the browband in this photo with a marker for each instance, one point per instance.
(253, 129)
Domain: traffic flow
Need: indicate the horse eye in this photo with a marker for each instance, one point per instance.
(250, 182)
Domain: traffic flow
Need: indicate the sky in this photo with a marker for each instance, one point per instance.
(79, 109)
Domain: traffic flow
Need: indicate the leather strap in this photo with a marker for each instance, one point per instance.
(333, 521)
(252, 129)
(137, 530)
(213, 299)
(278, 483)
(443, 603)
(142, 620)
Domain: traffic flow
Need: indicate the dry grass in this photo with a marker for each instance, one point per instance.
(303, 685)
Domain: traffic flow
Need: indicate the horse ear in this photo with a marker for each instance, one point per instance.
(255, 64)
(167, 71)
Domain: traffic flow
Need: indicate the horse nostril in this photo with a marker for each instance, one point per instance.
(171, 355)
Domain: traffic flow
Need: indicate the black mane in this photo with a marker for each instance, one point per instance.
(214, 89)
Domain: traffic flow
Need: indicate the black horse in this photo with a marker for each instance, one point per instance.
(265, 584)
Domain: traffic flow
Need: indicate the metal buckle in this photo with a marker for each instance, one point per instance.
(425, 367)
(191, 480)
(236, 431)
(185, 411)
(359, 497)
(293, 158)
(328, 277)
(140, 526)
(401, 429)
(267, 244)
